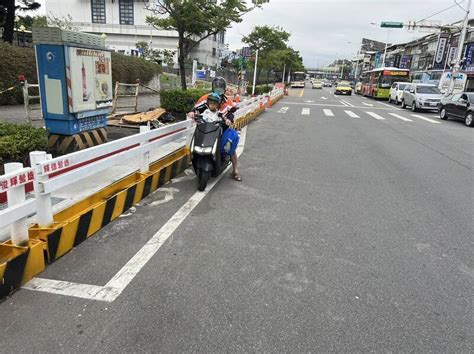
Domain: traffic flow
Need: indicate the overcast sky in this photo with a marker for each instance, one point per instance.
(322, 29)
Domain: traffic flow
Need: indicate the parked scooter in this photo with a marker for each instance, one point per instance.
(208, 156)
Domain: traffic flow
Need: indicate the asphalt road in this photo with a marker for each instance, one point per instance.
(351, 232)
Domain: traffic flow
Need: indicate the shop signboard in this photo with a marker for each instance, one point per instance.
(469, 55)
(405, 61)
(439, 57)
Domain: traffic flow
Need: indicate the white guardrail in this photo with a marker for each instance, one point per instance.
(49, 175)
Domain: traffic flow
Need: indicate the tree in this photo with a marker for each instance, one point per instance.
(64, 22)
(274, 53)
(159, 56)
(8, 8)
(196, 20)
(267, 39)
(32, 21)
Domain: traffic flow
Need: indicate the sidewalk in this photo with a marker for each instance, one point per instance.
(16, 114)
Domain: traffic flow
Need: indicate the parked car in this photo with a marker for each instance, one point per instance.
(458, 106)
(421, 96)
(396, 92)
(317, 84)
(343, 88)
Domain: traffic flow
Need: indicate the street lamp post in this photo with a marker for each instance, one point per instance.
(255, 73)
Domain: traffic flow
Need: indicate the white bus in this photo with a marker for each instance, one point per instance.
(298, 79)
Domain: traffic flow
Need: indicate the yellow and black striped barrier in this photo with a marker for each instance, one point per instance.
(75, 224)
(65, 144)
(19, 264)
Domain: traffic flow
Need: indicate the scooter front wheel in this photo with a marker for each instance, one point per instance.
(202, 178)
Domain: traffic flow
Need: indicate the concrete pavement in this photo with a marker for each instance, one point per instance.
(349, 233)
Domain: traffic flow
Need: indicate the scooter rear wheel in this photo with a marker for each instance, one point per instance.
(202, 178)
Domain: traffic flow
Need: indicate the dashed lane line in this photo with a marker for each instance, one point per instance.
(426, 119)
(283, 110)
(351, 114)
(328, 113)
(400, 117)
(375, 115)
(347, 103)
(305, 111)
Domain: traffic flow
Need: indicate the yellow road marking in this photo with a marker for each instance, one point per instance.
(302, 91)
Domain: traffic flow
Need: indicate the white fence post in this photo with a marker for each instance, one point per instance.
(145, 157)
(19, 228)
(43, 201)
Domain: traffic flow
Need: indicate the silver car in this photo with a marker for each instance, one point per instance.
(421, 97)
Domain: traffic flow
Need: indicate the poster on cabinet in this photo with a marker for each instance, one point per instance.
(90, 75)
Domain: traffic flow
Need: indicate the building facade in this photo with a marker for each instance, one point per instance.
(428, 56)
(124, 24)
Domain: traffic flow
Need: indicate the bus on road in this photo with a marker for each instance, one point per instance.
(377, 82)
(298, 79)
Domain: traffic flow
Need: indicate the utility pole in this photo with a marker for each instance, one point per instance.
(462, 38)
(283, 76)
(255, 73)
(385, 51)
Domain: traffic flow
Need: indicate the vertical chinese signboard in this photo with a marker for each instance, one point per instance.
(439, 57)
(469, 55)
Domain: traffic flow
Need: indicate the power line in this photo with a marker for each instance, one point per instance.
(448, 8)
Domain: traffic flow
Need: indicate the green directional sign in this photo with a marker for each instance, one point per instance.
(392, 24)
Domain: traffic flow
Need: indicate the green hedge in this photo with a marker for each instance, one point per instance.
(17, 60)
(13, 62)
(180, 101)
(259, 89)
(127, 69)
(17, 140)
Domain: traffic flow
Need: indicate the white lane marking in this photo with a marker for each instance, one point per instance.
(112, 290)
(309, 101)
(328, 112)
(344, 104)
(385, 104)
(400, 117)
(323, 98)
(368, 104)
(375, 115)
(425, 119)
(365, 98)
(59, 287)
(341, 105)
(348, 103)
(283, 110)
(351, 114)
(305, 111)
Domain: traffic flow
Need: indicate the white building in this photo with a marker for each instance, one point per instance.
(124, 23)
